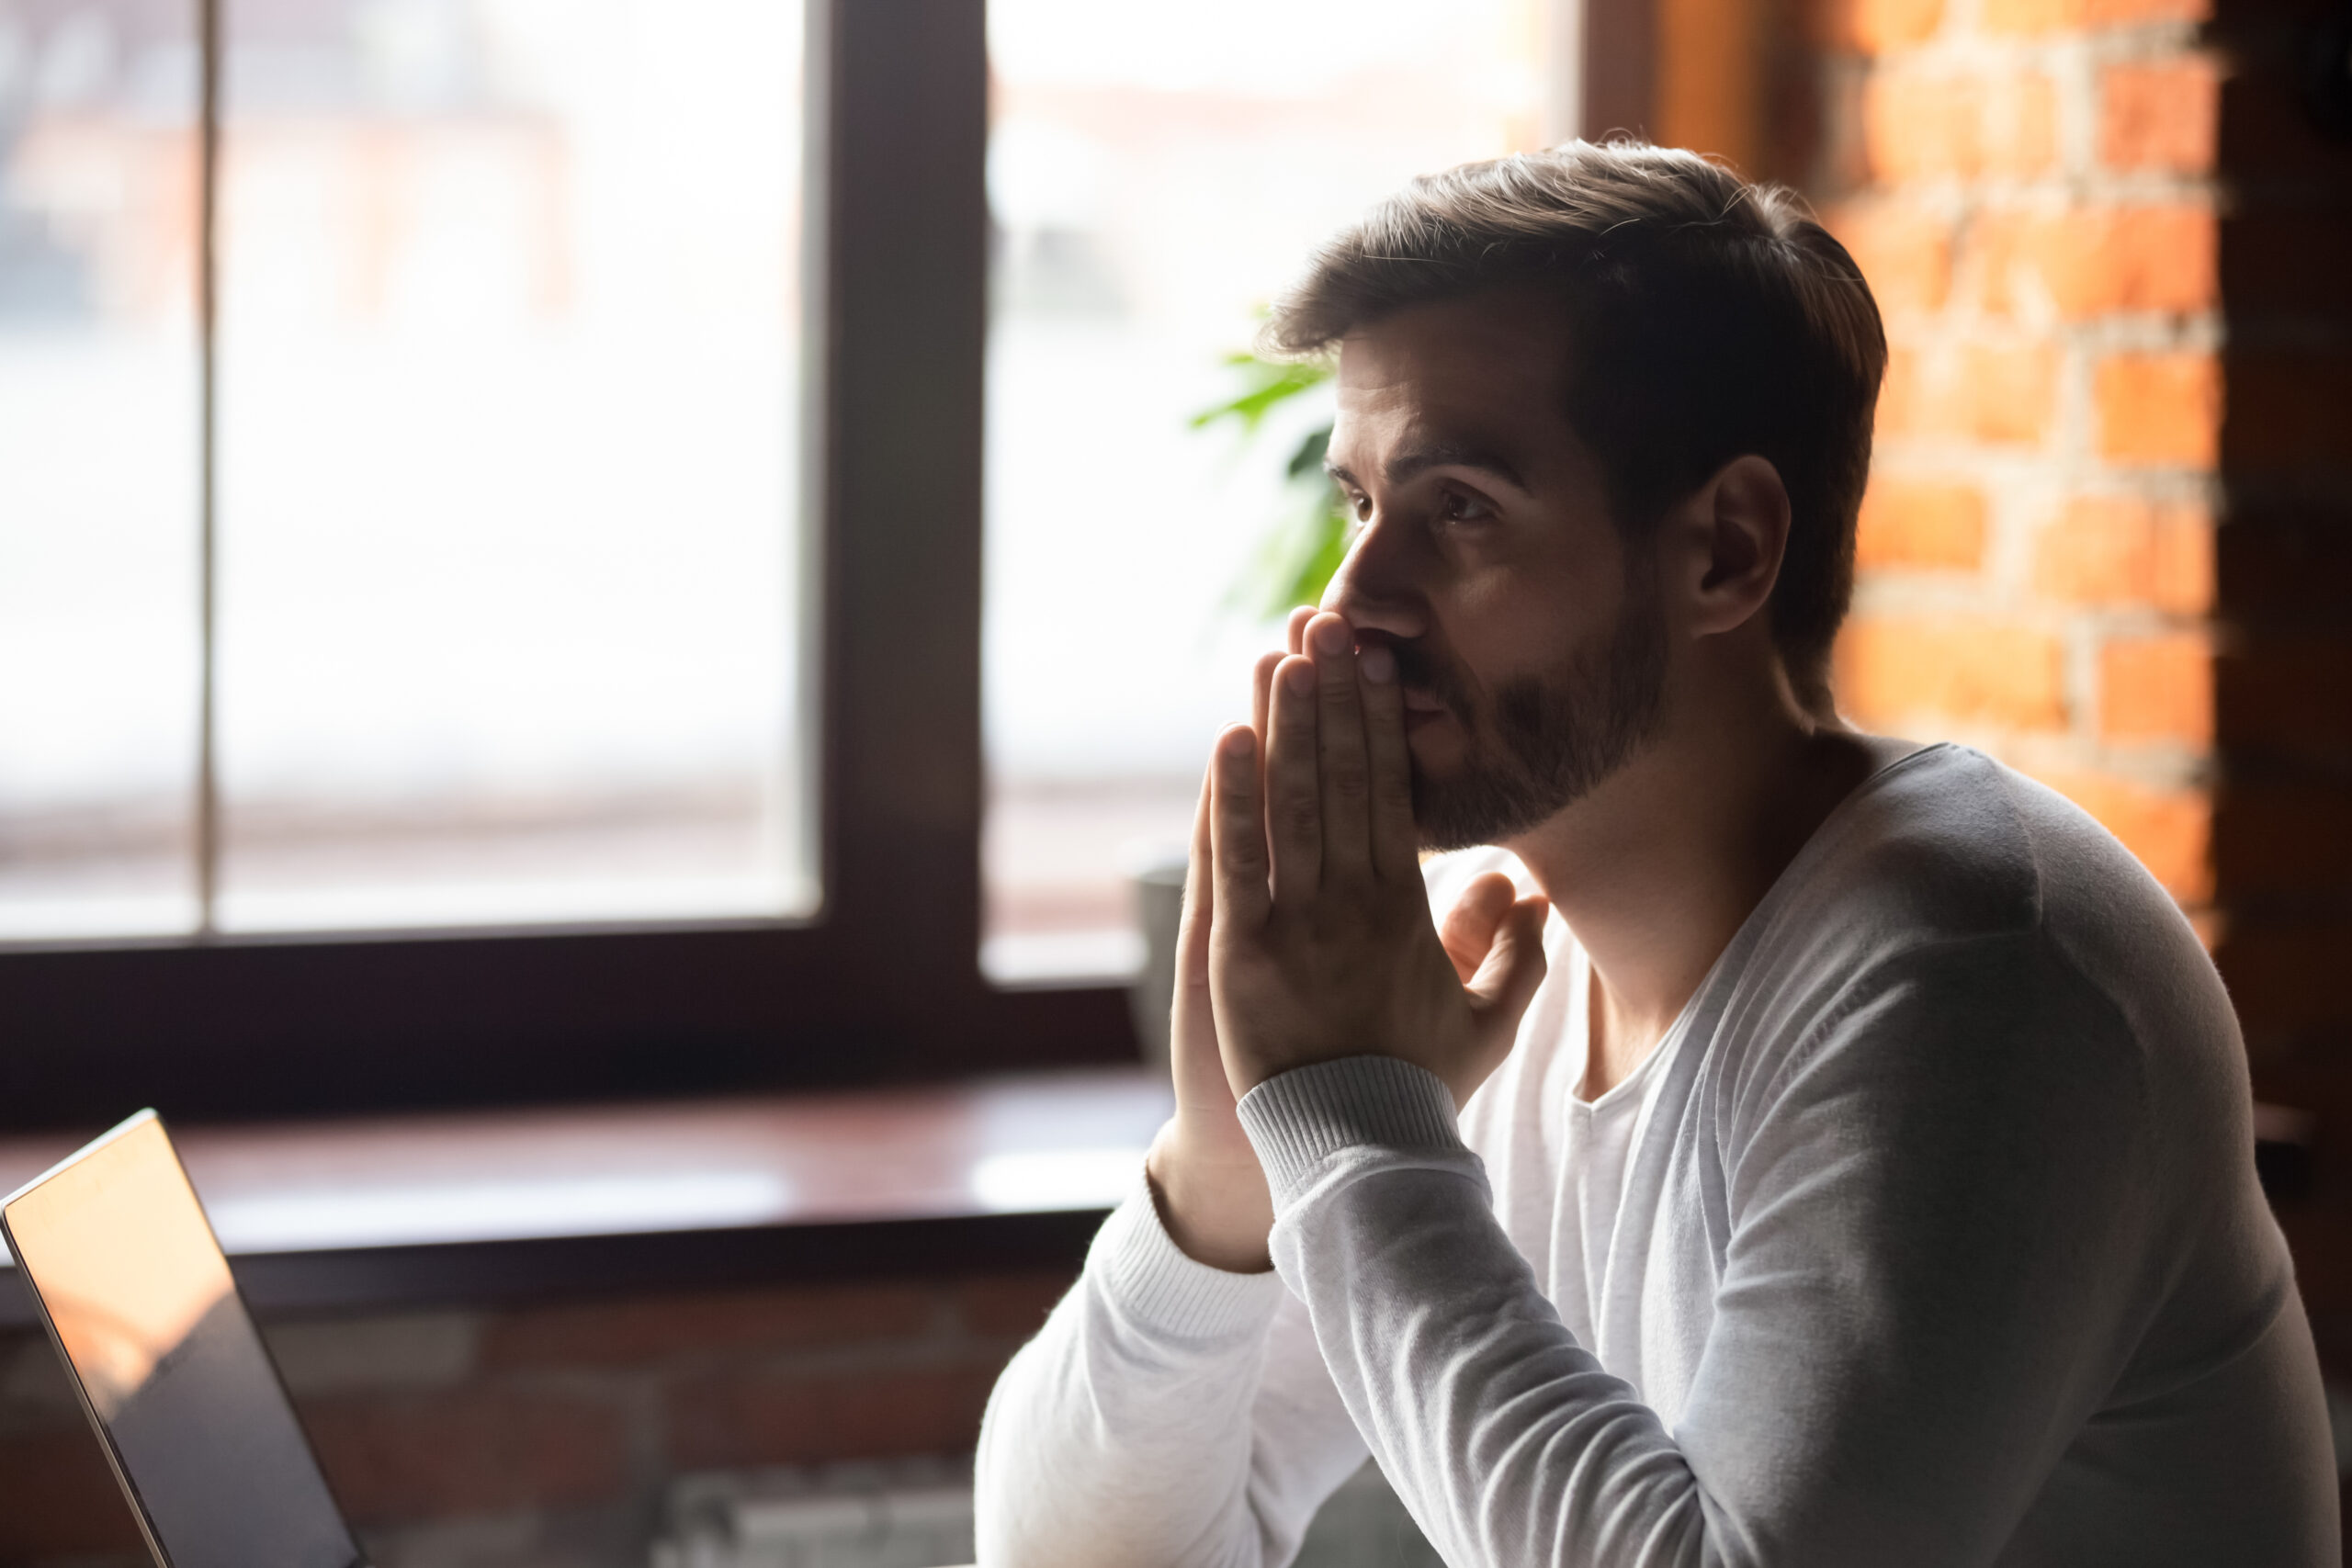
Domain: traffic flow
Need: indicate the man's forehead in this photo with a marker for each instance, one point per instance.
(1476, 371)
(1493, 349)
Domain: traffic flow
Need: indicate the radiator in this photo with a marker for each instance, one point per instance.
(919, 1515)
(913, 1514)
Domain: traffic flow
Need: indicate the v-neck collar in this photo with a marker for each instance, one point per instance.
(1792, 875)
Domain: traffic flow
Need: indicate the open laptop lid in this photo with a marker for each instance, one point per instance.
(185, 1401)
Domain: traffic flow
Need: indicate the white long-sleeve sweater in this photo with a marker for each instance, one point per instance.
(1928, 1236)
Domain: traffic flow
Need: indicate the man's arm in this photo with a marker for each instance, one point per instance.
(1169, 1416)
(1939, 1263)
(1174, 1410)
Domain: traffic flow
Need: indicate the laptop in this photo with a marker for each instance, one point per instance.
(139, 1302)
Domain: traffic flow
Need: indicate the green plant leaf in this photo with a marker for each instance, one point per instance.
(1295, 562)
(1307, 461)
(1267, 384)
(1327, 547)
(1301, 549)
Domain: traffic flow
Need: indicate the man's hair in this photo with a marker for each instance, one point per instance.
(1710, 319)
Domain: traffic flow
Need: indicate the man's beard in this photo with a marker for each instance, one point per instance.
(1549, 740)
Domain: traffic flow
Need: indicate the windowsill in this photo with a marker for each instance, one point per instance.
(448, 1210)
(421, 1210)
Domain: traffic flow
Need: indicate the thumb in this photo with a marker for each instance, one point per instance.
(1469, 929)
(1514, 967)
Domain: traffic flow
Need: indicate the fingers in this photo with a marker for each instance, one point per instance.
(1294, 810)
(1514, 967)
(1505, 982)
(1199, 900)
(1238, 832)
(1197, 1070)
(1335, 770)
(1467, 932)
(1396, 841)
(1339, 752)
(1261, 679)
(1261, 689)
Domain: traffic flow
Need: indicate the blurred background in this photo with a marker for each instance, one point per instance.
(508, 441)
(507, 473)
(507, 446)
(1156, 175)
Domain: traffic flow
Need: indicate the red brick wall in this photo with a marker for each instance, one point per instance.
(2037, 549)
(549, 1434)
(2110, 532)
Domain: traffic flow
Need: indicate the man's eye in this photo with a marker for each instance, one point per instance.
(1461, 506)
(1360, 507)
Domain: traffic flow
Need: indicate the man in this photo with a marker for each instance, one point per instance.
(1842, 1155)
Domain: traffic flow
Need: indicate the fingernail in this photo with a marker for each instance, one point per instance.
(1299, 677)
(1332, 637)
(1241, 739)
(1379, 665)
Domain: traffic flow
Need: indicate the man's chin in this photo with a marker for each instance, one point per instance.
(1448, 817)
(1436, 764)
(1466, 807)
(1443, 836)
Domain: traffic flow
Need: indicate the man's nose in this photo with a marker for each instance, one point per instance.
(1376, 587)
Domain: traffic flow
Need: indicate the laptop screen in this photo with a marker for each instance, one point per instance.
(185, 1397)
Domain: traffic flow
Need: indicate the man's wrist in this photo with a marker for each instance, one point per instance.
(1300, 1120)
(1216, 1211)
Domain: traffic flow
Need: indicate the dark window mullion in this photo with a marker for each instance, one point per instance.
(905, 212)
(211, 36)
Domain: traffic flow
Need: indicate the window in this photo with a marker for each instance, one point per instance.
(508, 374)
(1155, 172)
(100, 469)
(595, 485)
(881, 980)
(504, 434)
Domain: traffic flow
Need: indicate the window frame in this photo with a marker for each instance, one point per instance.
(883, 984)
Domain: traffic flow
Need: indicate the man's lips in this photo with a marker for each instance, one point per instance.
(1422, 710)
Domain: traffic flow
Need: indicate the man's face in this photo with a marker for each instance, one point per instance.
(1532, 659)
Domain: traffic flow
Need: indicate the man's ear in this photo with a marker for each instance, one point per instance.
(1727, 543)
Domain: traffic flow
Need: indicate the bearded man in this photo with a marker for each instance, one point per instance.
(1796, 1146)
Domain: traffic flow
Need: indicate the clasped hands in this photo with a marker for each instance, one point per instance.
(1307, 936)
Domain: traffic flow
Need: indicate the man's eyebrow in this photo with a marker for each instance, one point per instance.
(1414, 461)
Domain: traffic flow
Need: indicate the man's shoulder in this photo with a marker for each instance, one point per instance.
(1973, 884)
(1947, 845)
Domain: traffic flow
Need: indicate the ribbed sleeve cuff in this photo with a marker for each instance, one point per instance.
(1299, 1119)
(1146, 1276)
